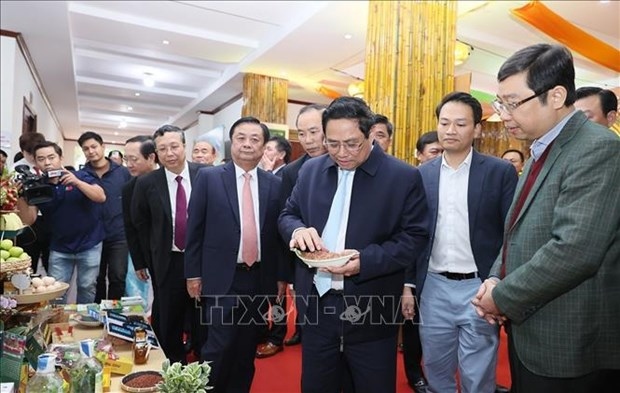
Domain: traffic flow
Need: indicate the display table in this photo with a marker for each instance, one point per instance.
(156, 356)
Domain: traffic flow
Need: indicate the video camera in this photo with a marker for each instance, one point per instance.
(36, 189)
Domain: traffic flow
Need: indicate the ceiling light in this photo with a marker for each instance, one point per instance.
(115, 133)
(461, 52)
(165, 42)
(148, 80)
(122, 124)
(356, 89)
(348, 36)
(129, 108)
(136, 94)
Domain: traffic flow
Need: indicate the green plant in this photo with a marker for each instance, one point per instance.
(192, 378)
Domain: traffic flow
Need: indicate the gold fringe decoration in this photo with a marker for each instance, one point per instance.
(409, 65)
(265, 98)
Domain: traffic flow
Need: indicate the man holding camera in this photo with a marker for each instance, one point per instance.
(73, 196)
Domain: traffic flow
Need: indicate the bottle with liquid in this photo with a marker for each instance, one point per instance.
(45, 380)
(87, 373)
(140, 346)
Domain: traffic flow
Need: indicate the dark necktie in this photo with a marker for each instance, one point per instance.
(180, 218)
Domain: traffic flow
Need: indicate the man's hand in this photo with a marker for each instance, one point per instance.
(68, 178)
(485, 305)
(267, 164)
(351, 268)
(306, 239)
(142, 274)
(408, 303)
(194, 288)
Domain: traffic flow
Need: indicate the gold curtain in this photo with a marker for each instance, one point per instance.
(265, 98)
(494, 140)
(409, 65)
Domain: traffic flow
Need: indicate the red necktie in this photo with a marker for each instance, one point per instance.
(180, 217)
(249, 243)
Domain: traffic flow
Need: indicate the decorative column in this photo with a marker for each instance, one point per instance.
(265, 98)
(409, 65)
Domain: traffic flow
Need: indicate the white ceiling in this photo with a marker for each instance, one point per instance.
(92, 55)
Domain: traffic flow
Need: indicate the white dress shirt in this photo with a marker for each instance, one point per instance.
(254, 187)
(451, 250)
(172, 191)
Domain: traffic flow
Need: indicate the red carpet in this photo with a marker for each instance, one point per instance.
(282, 373)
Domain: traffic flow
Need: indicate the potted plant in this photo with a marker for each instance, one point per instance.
(192, 378)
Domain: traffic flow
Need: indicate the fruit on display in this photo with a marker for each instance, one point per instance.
(11, 253)
(44, 284)
(8, 193)
(10, 222)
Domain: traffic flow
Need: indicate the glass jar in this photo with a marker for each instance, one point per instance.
(140, 346)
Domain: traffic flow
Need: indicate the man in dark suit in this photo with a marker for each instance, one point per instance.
(311, 137)
(159, 210)
(234, 259)
(141, 158)
(556, 282)
(360, 199)
(468, 195)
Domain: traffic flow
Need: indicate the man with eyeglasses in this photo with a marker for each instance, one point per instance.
(555, 283)
(159, 209)
(359, 199)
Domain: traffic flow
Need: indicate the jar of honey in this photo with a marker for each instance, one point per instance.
(140, 346)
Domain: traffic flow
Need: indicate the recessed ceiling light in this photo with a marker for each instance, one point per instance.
(148, 80)
(136, 94)
(165, 42)
(122, 124)
(348, 36)
(115, 132)
(129, 108)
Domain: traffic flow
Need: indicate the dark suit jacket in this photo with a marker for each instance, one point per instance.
(289, 177)
(562, 285)
(214, 230)
(491, 187)
(151, 214)
(132, 233)
(387, 224)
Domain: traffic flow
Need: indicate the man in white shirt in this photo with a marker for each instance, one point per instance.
(468, 195)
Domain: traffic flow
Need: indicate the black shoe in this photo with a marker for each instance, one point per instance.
(501, 389)
(420, 386)
(294, 340)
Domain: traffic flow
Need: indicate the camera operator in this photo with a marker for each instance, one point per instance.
(74, 215)
(36, 240)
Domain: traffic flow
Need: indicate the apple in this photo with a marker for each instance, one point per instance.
(4, 254)
(16, 251)
(6, 244)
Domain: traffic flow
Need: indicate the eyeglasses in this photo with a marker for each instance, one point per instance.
(351, 147)
(509, 107)
(164, 149)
